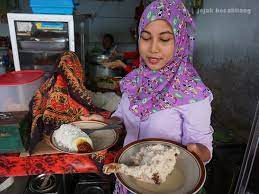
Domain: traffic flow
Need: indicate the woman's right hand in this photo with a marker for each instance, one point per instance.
(94, 117)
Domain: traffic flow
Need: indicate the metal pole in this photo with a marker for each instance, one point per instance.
(249, 155)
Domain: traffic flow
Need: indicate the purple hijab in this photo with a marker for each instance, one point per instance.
(177, 83)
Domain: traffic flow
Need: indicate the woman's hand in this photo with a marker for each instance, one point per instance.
(94, 117)
(201, 150)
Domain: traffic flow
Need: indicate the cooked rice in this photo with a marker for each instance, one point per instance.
(153, 160)
(66, 134)
(153, 163)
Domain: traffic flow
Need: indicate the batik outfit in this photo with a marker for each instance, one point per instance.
(63, 98)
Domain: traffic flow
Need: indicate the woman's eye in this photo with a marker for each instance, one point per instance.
(145, 38)
(165, 40)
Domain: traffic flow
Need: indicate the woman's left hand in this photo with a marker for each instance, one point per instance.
(201, 150)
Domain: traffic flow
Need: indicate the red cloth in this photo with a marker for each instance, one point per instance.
(135, 64)
(13, 165)
(134, 56)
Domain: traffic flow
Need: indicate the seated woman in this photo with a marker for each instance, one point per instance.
(63, 98)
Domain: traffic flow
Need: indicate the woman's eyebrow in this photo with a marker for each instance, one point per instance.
(166, 32)
(144, 31)
(161, 33)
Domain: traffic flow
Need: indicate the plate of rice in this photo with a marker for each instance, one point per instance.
(69, 138)
(158, 166)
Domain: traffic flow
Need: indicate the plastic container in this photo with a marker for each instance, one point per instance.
(52, 6)
(17, 88)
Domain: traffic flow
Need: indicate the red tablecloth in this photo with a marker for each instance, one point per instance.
(13, 165)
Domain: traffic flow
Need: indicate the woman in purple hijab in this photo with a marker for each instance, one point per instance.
(165, 97)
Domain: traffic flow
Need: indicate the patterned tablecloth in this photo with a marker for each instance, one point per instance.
(13, 165)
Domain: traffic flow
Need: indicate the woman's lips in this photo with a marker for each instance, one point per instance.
(153, 60)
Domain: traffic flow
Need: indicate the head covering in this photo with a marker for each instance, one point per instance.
(177, 83)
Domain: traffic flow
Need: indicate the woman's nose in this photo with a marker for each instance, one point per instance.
(154, 47)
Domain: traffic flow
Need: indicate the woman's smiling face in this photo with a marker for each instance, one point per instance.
(156, 44)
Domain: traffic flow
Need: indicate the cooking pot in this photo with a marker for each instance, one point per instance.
(98, 58)
(96, 70)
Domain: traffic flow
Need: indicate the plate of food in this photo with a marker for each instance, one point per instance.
(70, 138)
(158, 166)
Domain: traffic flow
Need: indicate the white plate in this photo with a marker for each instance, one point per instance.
(102, 139)
(188, 176)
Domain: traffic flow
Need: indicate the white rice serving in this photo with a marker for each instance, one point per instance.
(67, 134)
(152, 164)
